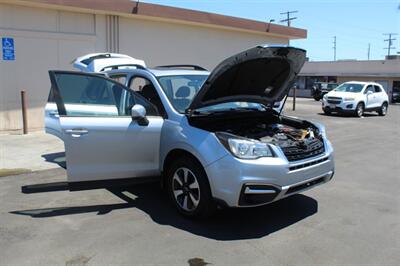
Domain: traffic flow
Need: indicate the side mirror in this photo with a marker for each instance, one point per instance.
(369, 92)
(138, 113)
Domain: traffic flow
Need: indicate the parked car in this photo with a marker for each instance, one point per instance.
(210, 138)
(396, 95)
(356, 98)
(319, 89)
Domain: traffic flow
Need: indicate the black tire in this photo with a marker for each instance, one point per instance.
(206, 205)
(327, 111)
(383, 110)
(359, 112)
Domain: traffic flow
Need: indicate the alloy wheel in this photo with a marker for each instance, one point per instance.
(360, 110)
(383, 109)
(186, 189)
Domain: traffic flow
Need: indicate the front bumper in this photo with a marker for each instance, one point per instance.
(342, 107)
(245, 183)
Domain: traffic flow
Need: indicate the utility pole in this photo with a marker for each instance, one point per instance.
(369, 49)
(389, 40)
(288, 18)
(334, 48)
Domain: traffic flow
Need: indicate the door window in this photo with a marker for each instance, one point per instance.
(377, 88)
(369, 88)
(83, 94)
(146, 89)
(90, 95)
(120, 78)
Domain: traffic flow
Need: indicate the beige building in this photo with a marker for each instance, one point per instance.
(48, 34)
(385, 72)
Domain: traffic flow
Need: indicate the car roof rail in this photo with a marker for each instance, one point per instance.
(195, 67)
(113, 67)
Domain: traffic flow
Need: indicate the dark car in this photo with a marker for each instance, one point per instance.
(396, 95)
(319, 89)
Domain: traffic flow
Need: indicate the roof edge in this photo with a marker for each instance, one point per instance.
(179, 15)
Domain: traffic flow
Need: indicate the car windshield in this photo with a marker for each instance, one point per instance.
(181, 89)
(232, 106)
(350, 87)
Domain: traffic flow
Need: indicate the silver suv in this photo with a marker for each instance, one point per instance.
(210, 138)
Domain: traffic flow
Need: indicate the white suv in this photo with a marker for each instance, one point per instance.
(356, 97)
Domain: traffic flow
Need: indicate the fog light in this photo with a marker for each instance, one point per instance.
(349, 106)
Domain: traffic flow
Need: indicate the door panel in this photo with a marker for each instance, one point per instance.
(101, 139)
(110, 147)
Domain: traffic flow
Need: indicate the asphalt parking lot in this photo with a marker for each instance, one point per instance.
(354, 219)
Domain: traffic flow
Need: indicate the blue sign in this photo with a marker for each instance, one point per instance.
(8, 49)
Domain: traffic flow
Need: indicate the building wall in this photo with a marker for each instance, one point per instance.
(161, 43)
(359, 68)
(50, 39)
(44, 39)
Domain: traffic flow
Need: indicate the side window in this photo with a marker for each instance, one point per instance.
(369, 88)
(147, 96)
(90, 95)
(120, 78)
(135, 98)
(377, 88)
(137, 84)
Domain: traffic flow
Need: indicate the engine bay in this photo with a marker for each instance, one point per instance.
(298, 139)
(278, 134)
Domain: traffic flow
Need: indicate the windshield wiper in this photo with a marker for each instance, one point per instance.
(230, 110)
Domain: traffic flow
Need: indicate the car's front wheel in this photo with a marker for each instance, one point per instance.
(383, 110)
(188, 188)
(360, 110)
(327, 111)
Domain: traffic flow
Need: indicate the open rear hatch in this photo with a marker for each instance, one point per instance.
(105, 61)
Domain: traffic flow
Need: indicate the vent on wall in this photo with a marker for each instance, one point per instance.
(112, 34)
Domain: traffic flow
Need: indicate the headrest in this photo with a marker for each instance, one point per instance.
(149, 91)
(183, 92)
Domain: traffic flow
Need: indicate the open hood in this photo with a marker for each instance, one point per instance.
(263, 74)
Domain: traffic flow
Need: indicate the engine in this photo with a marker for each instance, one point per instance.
(296, 143)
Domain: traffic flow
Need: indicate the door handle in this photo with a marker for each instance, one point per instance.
(53, 113)
(77, 132)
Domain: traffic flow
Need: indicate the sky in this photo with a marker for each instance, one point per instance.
(355, 23)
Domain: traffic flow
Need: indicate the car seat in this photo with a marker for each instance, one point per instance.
(181, 98)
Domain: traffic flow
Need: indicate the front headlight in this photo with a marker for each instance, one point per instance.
(348, 99)
(325, 97)
(244, 148)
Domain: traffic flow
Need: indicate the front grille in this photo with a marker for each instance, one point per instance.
(311, 149)
(299, 166)
(334, 100)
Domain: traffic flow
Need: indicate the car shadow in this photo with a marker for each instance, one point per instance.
(56, 158)
(226, 224)
(348, 115)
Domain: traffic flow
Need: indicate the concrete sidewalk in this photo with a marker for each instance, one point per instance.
(31, 152)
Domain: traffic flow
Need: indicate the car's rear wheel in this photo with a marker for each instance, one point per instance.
(188, 188)
(359, 110)
(383, 110)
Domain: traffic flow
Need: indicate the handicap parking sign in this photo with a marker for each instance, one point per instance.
(8, 49)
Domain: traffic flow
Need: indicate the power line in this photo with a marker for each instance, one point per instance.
(334, 48)
(288, 18)
(389, 40)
